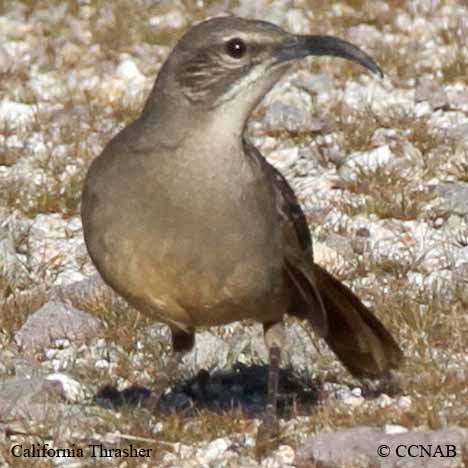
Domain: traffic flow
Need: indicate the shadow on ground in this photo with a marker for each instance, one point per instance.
(243, 387)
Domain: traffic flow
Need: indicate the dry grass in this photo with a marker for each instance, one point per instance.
(431, 328)
(387, 195)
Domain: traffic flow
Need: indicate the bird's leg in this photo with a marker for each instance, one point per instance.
(182, 341)
(270, 416)
(274, 340)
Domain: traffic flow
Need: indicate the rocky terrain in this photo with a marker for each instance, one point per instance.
(381, 170)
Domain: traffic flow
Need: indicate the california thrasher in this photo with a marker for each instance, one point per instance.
(186, 220)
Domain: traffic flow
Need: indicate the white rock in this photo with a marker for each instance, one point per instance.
(48, 86)
(173, 19)
(403, 21)
(58, 243)
(338, 222)
(286, 454)
(449, 121)
(394, 429)
(317, 83)
(158, 427)
(71, 53)
(60, 359)
(353, 401)
(341, 393)
(416, 279)
(384, 400)
(439, 282)
(271, 10)
(101, 364)
(6, 61)
(422, 109)
(214, 450)
(209, 352)
(73, 390)
(329, 258)
(457, 95)
(384, 136)
(17, 116)
(283, 159)
(365, 35)
(68, 276)
(62, 343)
(393, 240)
(404, 402)
(281, 116)
(366, 161)
(12, 268)
(14, 29)
(297, 22)
(128, 70)
(280, 458)
(289, 95)
(299, 353)
(379, 98)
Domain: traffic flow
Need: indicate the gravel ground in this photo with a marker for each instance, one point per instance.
(380, 167)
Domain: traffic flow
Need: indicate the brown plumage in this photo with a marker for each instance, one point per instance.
(189, 223)
(354, 333)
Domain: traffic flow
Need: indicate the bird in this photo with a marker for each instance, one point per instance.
(187, 221)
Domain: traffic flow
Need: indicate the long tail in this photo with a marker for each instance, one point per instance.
(357, 337)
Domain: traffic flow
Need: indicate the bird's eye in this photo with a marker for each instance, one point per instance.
(236, 48)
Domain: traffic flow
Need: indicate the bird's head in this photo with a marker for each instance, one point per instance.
(231, 63)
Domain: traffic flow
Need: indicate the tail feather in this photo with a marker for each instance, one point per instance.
(355, 334)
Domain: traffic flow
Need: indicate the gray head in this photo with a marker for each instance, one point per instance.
(234, 62)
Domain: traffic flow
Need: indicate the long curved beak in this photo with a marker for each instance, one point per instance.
(302, 46)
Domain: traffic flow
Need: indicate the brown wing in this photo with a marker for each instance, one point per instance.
(297, 242)
(352, 331)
